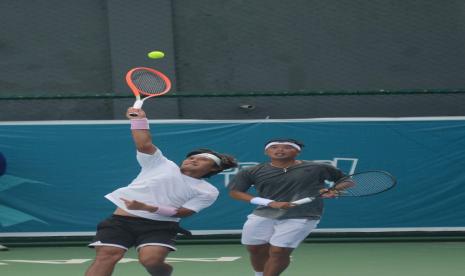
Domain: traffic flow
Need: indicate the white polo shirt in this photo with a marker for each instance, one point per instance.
(160, 182)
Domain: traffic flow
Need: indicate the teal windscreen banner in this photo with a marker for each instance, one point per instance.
(55, 175)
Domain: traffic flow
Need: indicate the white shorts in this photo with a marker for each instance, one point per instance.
(281, 233)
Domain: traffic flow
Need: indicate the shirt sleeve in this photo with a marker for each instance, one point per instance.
(335, 174)
(242, 181)
(205, 198)
(150, 160)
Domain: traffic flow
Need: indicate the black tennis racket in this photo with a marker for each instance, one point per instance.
(356, 185)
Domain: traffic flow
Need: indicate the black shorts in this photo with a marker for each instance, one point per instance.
(125, 232)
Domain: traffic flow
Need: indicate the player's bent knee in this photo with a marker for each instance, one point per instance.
(280, 252)
(152, 261)
(157, 267)
(257, 249)
(109, 255)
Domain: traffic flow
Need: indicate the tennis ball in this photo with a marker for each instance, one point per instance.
(156, 54)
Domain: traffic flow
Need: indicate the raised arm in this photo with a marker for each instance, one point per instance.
(140, 131)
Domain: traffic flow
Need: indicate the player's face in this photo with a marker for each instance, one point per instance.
(199, 164)
(282, 152)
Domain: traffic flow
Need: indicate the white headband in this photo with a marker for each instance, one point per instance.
(294, 145)
(211, 156)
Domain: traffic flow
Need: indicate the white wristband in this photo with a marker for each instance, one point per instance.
(260, 201)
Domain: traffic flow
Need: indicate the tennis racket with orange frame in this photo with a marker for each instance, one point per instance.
(148, 82)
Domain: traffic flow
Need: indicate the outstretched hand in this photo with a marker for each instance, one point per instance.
(137, 205)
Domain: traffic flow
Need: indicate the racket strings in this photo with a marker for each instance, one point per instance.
(148, 83)
(368, 184)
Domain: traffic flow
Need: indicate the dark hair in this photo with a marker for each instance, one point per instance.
(227, 161)
(300, 144)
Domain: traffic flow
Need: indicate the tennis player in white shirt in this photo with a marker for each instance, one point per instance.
(149, 208)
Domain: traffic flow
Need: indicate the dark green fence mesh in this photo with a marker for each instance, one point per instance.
(233, 58)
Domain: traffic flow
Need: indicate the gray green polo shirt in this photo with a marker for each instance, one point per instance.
(296, 182)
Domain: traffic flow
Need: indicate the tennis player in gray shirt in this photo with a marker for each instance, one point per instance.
(276, 227)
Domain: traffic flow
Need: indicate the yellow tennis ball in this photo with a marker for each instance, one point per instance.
(156, 54)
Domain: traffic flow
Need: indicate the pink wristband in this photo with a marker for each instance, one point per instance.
(166, 211)
(140, 123)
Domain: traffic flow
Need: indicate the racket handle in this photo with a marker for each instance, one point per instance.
(137, 104)
(303, 201)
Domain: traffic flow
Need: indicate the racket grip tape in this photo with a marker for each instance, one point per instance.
(137, 104)
(303, 201)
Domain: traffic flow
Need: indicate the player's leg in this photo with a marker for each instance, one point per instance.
(279, 260)
(153, 259)
(105, 260)
(288, 234)
(259, 255)
(155, 240)
(111, 242)
(256, 235)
